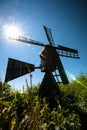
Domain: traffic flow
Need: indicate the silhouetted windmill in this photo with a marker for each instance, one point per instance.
(50, 62)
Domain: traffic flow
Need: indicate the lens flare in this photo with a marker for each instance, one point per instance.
(80, 83)
(73, 78)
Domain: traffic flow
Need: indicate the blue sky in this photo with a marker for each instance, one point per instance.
(67, 20)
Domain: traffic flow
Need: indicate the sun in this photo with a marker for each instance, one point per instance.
(12, 31)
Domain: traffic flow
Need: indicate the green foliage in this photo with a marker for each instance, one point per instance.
(24, 111)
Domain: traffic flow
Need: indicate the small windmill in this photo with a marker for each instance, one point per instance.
(50, 64)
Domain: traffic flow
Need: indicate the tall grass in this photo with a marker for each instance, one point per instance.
(24, 111)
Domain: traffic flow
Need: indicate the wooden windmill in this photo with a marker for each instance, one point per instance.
(50, 64)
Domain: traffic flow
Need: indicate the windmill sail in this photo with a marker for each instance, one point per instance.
(49, 35)
(17, 68)
(67, 52)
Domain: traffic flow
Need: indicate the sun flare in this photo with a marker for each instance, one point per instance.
(71, 76)
(12, 31)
